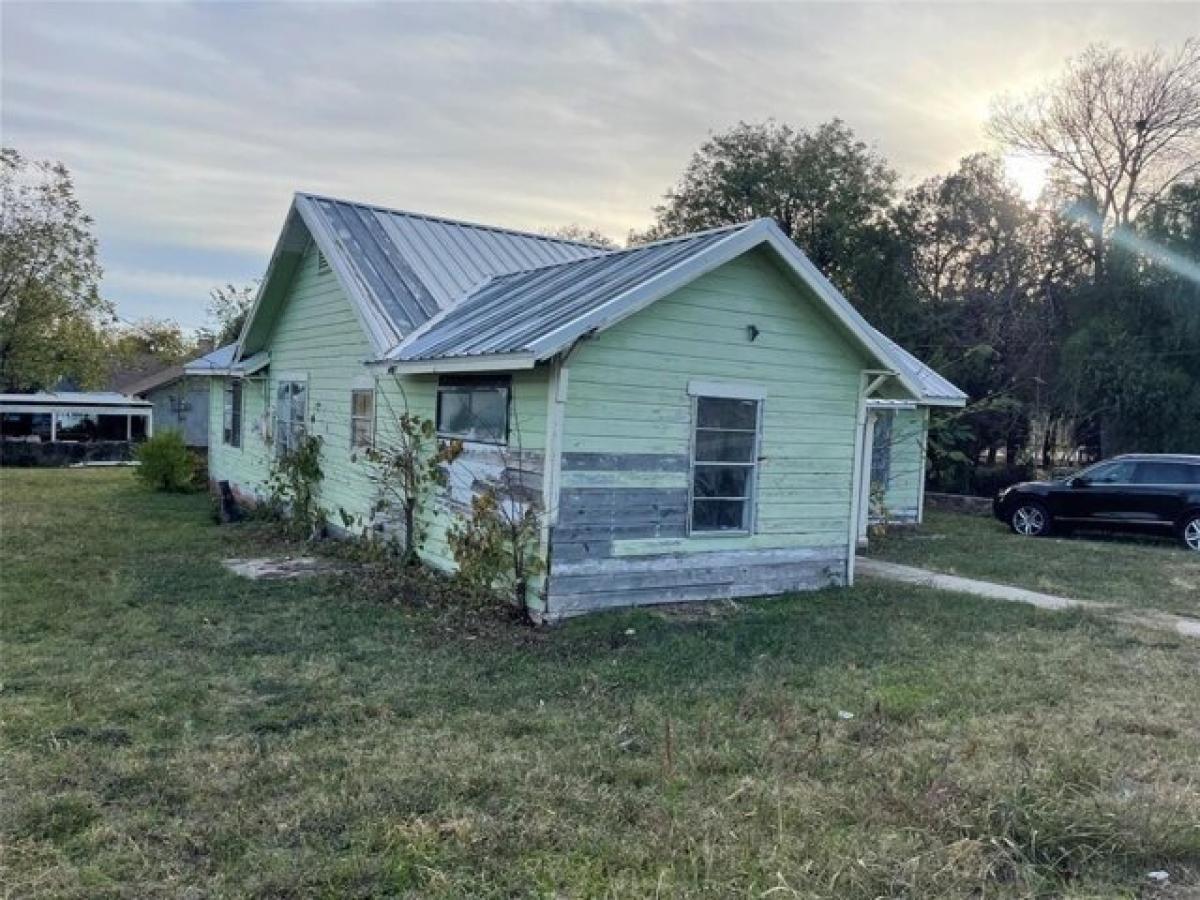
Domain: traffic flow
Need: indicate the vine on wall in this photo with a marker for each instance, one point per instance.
(292, 488)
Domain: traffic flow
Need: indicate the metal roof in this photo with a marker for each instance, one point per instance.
(68, 399)
(511, 313)
(935, 388)
(218, 359)
(407, 267)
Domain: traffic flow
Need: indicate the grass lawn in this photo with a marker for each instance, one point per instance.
(171, 730)
(1126, 569)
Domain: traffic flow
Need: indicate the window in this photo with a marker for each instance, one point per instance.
(881, 447)
(1120, 472)
(233, 412)
(474, 408)
(362, 418)
(1167, 473)
(724, 464)
(322, 263)
(291, 403)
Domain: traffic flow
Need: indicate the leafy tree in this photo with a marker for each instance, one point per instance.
(825, 188)
(228, 307)
(51, 314)
(1121, 128)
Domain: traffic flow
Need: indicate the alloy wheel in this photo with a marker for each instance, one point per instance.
(1029, 521)
(1191, 533)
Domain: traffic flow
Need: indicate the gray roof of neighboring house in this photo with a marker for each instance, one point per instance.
(407, 267)
(161, 378)
(510, 313)
(934, 387)
(69, 399)
(218, 360)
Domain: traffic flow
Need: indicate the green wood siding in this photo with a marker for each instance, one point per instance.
(316, 337)
(628, 393)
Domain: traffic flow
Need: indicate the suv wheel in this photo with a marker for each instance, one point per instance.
(1030, 520)
(1190, 531)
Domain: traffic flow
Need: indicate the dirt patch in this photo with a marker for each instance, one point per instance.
(273, 568)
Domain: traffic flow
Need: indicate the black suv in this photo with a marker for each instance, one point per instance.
(1158, 492)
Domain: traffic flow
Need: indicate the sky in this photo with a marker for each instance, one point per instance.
(188, 126)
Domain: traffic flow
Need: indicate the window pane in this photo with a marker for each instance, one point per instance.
(719, 412)
(299, 401)
(479, 414)
(360, 433)
(363, 402)
(1113, 473)
(725, 446)
(455, 409)
(489, 412)
(1162, 473)
(722, 481)
(719, 515)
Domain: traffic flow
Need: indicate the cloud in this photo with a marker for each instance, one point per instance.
(188, 126)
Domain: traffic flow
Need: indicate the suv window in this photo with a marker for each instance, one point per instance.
(1110, 473)
(1167, 473)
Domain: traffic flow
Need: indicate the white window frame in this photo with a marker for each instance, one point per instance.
(369, 419)
(721, 391)
(232, 407)
(282, 446)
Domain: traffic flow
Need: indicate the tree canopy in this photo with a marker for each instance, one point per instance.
(51, 313)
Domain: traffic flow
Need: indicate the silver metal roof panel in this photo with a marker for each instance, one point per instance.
(509, 313)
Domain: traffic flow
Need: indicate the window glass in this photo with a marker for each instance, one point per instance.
(473, 409)
(724, 464)
(1165, 473)
(1120, 472)
(77, 426)
(881, 447)
(362, 418)
(232, 428)
(291, 404)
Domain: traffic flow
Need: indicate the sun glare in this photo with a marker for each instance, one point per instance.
(1027, 172)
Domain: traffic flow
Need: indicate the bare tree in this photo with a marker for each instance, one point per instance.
(1120, 127)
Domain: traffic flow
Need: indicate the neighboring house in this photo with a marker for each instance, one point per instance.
(58, 428)
(691, 415)
(179, 394)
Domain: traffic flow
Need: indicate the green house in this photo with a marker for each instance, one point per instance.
(695, 418)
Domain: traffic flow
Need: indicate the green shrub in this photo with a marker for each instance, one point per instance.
(166, 463)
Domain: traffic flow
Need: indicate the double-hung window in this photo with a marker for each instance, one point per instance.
(474, 408)
(291, 408)
(724, 464)
(232, 410)
(362, 418)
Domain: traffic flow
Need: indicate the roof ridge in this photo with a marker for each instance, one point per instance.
(463, 223)
(605, 255)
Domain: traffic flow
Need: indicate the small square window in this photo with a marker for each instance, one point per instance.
(474, 408)
(362, 418)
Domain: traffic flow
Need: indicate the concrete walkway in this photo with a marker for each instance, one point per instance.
(875, 568)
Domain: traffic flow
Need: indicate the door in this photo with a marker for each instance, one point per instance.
(1158, 490)
(1101, 492)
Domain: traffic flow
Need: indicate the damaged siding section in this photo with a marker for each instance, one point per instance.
(621, 536)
